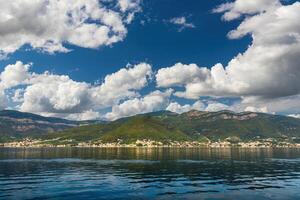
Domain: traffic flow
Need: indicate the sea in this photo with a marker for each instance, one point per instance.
(149, 173)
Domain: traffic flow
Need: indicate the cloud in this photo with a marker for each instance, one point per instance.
(83, 116)
(238, 8)
(265, 77)
(180, 75)
(216, 106)
(59, 95)
(268, 69)
(14, 75)
(123, 83)
(48, 25)
(154, 101)
(295, 116)
(211, 106)
(55, 94)
(255, 109)
(126, 5)
(86, 115)
(181, 22)
(284, 105)
(3, 100)
(176, 107)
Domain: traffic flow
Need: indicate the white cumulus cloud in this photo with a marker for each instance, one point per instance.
(123, 83)
(177, 108)
(14, 75)
(265, 77)
(268, 69)
(59, 95)
(238, 8)
(48, 24)
(154, 101)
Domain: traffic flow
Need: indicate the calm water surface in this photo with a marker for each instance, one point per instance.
(91, 173)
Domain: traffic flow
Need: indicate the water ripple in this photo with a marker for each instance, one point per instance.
(72, 174)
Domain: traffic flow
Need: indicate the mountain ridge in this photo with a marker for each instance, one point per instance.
(160, 125)
(192, 125)
(16, 124)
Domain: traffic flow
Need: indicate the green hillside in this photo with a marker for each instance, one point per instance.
(223, 124)
(193, 125)
(144, 127)
(165, 126)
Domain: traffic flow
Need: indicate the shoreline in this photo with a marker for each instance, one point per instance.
(33, 143)
(152, 147)
(292, 146)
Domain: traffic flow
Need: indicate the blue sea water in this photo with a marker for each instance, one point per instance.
(158, 173)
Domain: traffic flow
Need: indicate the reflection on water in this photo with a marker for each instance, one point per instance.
(158, 173)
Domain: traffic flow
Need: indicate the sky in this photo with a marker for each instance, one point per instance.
(108, 59)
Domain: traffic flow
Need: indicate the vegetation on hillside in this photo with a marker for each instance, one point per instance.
(193, 125)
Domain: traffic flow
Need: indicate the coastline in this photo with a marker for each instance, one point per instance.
(108, 146)
(28, 143)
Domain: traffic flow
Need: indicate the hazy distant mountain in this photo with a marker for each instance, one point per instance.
(14, 124)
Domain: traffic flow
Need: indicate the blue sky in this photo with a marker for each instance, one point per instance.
(156, 42)
(154, 38)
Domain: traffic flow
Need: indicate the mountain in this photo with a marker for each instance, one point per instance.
(245, 125)
(14, 124)
(144, 127)
(192, 125)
